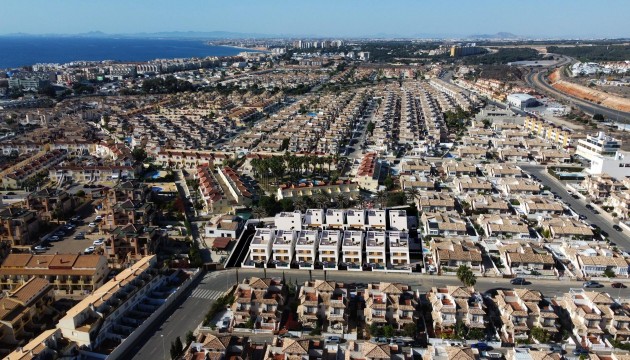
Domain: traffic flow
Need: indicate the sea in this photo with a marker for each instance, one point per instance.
(21, 51)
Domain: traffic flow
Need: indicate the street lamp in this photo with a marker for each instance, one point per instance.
(163, 347)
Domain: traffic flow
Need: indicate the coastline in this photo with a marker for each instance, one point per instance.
(239, 47)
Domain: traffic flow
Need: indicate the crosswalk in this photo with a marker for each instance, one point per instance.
(206, 294)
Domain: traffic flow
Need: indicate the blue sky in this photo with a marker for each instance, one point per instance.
(580, 18)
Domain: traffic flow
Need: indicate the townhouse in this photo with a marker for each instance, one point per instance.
(132, 242)
(25, 312)
(260, 248)
(443, 224)
(284, 248)
(306, 249)
(399, 257)
(561, 229)
(369, 172)
(377, 219)
(486, 204)
(314, 219)
(288, 220)
(504, 227)
(258, 302)
(454, 304)
(19, 227)
(50, 203)
(591, 314)
(356, 219)
(397, 220)
(528, 258)
(521, 310)
(450, 254)
(212, 346)
(514, 186)
(471, 186)
(444, 352)
(291, 191)
(538, 206)
(326, 301)
(352, 250)
(91, 174)
(390, 303)
(375, 249)
(330, 249)
(434, 202)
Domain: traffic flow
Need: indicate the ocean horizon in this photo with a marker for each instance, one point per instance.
(23, 51)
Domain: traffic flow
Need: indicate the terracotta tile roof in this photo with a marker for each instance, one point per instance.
(29, 291)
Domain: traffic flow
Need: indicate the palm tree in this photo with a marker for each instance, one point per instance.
(341, 200)
(412, 194)
(466, 276)
(381, 198)
(300, 204)
(258, 212)
(322, 200)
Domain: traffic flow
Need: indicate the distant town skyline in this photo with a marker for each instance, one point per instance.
(348, 18)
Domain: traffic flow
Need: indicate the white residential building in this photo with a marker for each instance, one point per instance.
(314, 218)
(352, 250)
(329, 246)
(289, 221)
(335, 218)
(284, 248)
(399, 250)
(605, 155)
(355, 219)
(398, 220)
(375, 249)
(306, 249)
(376, 219)
(260, 247)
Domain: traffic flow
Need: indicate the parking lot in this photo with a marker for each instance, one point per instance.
(67, 244)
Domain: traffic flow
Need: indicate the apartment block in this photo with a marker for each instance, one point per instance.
(306, 248)
(594, 313)
(68, 272)
(376, 219)
(352, 250)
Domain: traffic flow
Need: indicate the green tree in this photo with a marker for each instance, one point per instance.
(139, 154)
(609, 273)
(375, 330)
(598, 117)
(341, 200)
(258, 212)
(300, 204)
(466, 276)
(541, 335)
(412, 194)
(381, 198)
(190, 337)
(388, 331)
(370, 128)
(388, 182)
(410, 330)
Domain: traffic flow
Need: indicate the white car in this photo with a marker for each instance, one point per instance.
(89, 250)
(92, 225)
(98, 218)
(40, 248)
(98, 242)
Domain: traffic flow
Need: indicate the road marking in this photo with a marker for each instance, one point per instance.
(206, 294)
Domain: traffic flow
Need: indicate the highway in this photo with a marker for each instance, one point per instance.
(191, 311)
(536, 80)
(578, 205)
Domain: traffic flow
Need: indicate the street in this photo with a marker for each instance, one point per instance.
(579, 206)
(191, 312)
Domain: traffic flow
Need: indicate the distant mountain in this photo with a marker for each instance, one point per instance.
(497, 36)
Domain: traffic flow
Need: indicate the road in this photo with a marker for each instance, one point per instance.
(578, 205)
(536, 80)
(192, 310)
(185, 317)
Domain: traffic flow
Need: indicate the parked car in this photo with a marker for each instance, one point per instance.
(580, 351)
(79, 236)
(604, 233)
(575, 196)
(98, 242)
(89, 250)
(519, 281)
(54, 238)
(482, 346)
(92, 225)
(617, 227)
(557, 348)
(40, 248)
(398, 342)
(582, 217)
(592, 284)
(333, 339)
(618, 285)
